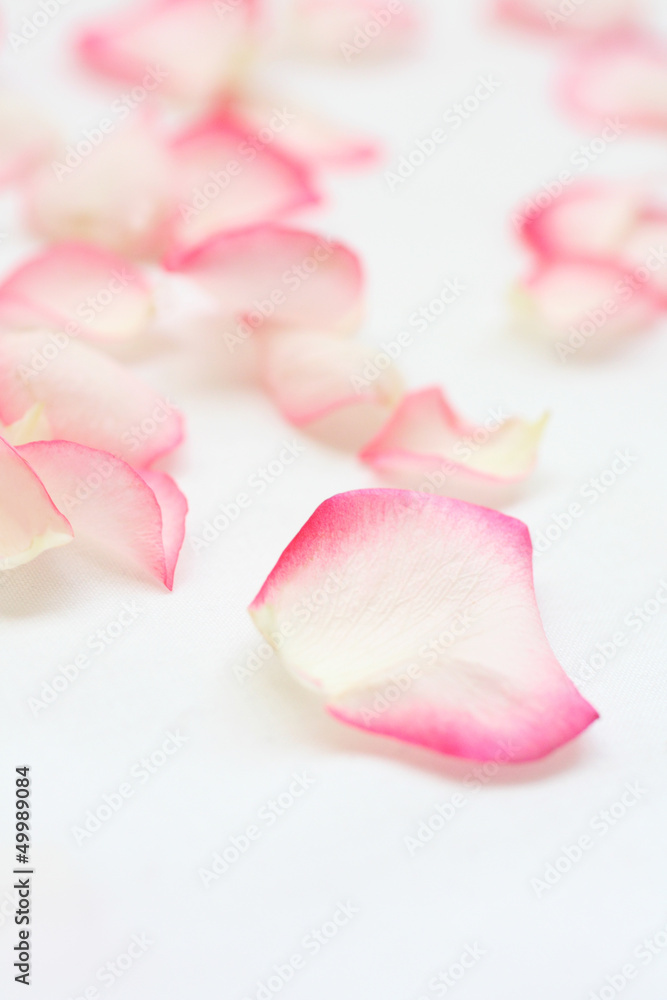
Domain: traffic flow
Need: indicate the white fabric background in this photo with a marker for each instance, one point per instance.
(174, 668)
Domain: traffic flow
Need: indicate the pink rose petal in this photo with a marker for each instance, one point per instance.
(269, 276)
(423, 625)
(310, 375)
(109, 502)
(30, 523)
(353, 30)
(86, 396)
(427, 446)
(78, 287)
(592, 17)
(185, 49)
(228, 179)
(619, 82)
(118, 193)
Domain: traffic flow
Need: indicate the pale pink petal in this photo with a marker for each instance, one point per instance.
(227, 179)
(353, 30)
(115, 190)
(87, 397)
(109, 502)
(303, 133)
(422, 625)
(32, 426)
(618, 82)
(26, 136)
(174, 507)
(310, 375)
(591, 17)
(584, 306)
(645, 251)
(589, 219)
(185, 49)
(269, 277)
(79, 288)
(30, 523)
(427, 446)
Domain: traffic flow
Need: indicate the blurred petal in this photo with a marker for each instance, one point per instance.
(29, 521)
(26, 137)
(427, 446)
(32, 426)
(87, 397)
(107, 501)
(423, 626)
(619, 81)
(228, 179)
(185, 49)
(353, 30)
(273, 277)
(309, 375)
(78, 286)
(118, 194)
(587, 307)
(592, 17)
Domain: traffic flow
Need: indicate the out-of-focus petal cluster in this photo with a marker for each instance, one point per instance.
(569, 20)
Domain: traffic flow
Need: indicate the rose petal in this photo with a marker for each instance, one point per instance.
(584, 306)
(26, 137)
(423, 625)
(310, 375)
(352, 30)
(87, 397)
(118, 193)
(619, 81)
(305, 135)
(589, 219)
(589, 18)
(185, 49)
(109, 502)
(427, 446)
(227, 179)
(272, 277)
(32, 426)
(77, 287)
(30, 523)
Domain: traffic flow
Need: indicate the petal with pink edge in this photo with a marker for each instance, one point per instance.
(80, 288)
(352, 30)
(86, 397)
(311, 375)
(26, 137)
(191, 50)
(620, 82)
(593, 17)
(110, 503)
(427, 446)
(424, 626)
(227, 179)
(586, 307)
(270, 277)
(30, 523)
(118, 195)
